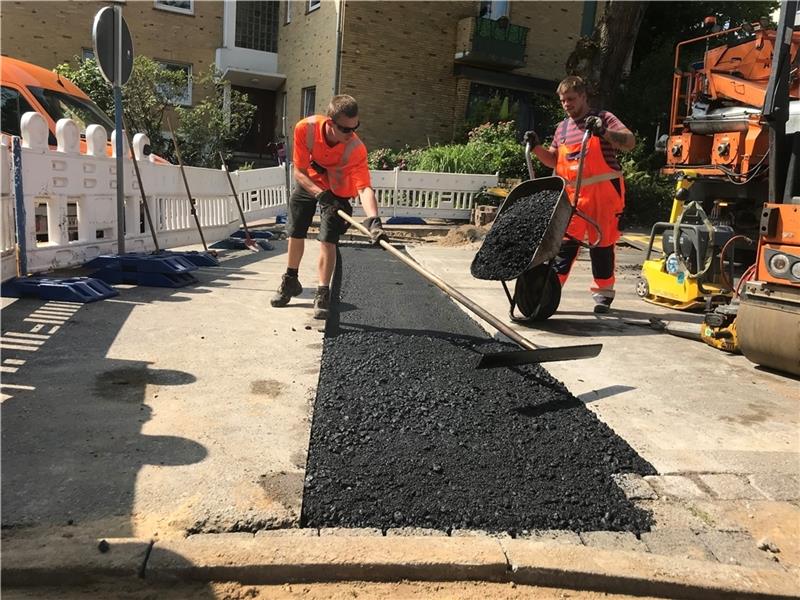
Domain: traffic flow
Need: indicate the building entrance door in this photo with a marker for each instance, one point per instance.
(259, 140)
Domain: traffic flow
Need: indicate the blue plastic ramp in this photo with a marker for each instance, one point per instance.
(69, 289)
(199, 259)
(255, 234)
(156, 270)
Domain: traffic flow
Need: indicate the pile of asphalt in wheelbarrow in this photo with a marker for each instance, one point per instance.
(406, 433)
(514, 237)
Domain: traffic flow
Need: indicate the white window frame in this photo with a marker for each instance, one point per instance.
(159, 4)
(186, 100)
(313, 5)
(305, 91)
(287, 17)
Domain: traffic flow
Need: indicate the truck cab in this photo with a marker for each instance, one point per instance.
(26, 88)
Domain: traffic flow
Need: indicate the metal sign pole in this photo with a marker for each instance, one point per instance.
(118, 127)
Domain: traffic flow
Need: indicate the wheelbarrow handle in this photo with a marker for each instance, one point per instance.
(528, 160)
(578, 181)
(582, 215)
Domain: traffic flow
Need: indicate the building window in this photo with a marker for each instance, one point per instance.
(494, 9)
(287, 17)
(313, 5)
(309, 101)
(185, 7)
(184, 98)
(257, 25)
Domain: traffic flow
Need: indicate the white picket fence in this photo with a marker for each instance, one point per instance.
(69, 198)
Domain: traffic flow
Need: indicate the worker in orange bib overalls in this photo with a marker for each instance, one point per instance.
(602, 193)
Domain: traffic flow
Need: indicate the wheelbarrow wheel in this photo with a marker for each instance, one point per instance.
(537, 293)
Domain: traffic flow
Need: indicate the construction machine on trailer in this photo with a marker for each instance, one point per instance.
(732, 243)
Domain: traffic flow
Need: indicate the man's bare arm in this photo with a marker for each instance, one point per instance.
(368, 201)
(305, 182)
(546, 155)
(620, 139)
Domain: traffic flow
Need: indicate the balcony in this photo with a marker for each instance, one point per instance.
(487, 43)
(248, 56)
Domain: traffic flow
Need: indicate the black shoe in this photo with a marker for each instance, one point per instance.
(290, 286)
(322, 302)
(602, 306)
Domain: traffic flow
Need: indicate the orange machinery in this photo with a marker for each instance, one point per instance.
(716, 126)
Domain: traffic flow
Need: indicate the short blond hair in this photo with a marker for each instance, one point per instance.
(573, 83)
(342, 105)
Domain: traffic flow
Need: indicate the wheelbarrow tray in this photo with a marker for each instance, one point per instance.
(559, 219)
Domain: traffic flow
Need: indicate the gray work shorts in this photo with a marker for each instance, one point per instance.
(302, 206)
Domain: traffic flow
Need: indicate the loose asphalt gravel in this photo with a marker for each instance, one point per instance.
(514, 237)
(406, 433)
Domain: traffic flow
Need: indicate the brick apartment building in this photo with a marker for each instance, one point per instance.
(415, 67)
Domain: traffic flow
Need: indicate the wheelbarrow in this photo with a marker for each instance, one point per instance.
(537, 291)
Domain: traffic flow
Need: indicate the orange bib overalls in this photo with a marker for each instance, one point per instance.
(600, 200)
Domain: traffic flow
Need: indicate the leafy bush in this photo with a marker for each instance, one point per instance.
(206, 130)
(491, 148)
(648, 195)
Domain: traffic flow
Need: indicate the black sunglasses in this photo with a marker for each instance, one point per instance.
(346, 129)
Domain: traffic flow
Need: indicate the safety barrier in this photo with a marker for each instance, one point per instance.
(70, 205)
(8, 266)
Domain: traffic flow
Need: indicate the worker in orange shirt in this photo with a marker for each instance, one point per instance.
(330, 167)
(602, 193)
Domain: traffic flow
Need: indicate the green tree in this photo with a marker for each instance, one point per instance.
(202, 130)
(207, 128)
(147, 95)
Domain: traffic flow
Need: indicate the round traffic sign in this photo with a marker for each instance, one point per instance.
(106, 45)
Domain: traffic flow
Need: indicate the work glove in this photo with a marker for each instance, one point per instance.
(376, 231)
(531, 138)
(596, 126)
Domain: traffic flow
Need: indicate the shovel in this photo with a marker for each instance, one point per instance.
(530, 355)
(249, 242)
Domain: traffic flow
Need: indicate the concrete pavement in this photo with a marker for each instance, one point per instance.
(164, 413)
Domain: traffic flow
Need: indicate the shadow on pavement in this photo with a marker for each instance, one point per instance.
(72, 430)
(73, 413)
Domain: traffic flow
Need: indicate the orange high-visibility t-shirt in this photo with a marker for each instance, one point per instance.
(346, 170)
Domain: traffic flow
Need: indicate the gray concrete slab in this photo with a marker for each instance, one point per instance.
(163, 411)
(684, 406)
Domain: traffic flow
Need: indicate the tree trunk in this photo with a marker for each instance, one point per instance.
(604, 59)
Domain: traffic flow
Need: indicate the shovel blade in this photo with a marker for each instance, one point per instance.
(540, 355)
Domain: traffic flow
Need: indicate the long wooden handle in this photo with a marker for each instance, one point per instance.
(453, 293)
(192, 207)
(235, 195)
(141, 187)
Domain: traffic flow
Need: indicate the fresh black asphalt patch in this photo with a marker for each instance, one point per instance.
(406, 433)
(514, 237)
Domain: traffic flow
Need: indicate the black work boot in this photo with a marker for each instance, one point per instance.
(602, 305)
(290, 286)
(322, 302)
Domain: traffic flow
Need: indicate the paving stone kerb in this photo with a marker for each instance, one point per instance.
(300, 559)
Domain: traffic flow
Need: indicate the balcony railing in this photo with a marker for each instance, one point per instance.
(484, 42)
